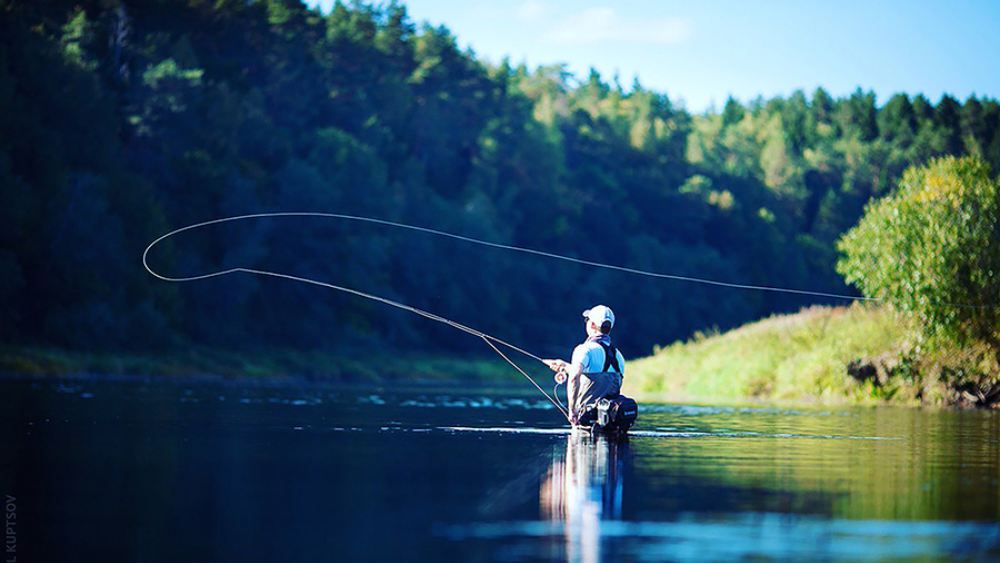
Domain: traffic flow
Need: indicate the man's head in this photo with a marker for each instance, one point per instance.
(600, 319)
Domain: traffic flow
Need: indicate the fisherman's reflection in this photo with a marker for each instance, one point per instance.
(583, 487)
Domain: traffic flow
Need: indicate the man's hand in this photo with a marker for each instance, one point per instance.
(556, 365)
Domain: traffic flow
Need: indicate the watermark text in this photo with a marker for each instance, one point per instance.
(10, 529)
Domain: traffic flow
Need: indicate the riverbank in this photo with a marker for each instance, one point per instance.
(829, 355)
(273, 364)
(860, 354)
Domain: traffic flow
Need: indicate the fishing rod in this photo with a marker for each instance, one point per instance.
(490, 340)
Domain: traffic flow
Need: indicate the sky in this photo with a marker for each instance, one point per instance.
(701, 52)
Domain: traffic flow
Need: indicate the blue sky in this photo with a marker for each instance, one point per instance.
(703, 51)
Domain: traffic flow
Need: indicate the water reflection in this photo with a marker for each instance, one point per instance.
(581, 489)
(170, 471)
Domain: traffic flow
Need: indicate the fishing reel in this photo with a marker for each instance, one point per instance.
(560, 367)
(561, 376)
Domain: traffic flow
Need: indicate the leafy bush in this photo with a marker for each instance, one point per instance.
(932, 248)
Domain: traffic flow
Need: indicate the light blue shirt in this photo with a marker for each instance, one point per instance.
(588, 358)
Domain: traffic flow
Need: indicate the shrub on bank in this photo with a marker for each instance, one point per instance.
(932, 249)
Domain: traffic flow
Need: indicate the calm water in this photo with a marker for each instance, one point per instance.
(140, 471)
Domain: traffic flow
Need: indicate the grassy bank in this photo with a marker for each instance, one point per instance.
(857, 354)
(323, 366)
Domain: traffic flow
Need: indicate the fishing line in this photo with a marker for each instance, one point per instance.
(555, 402)
(489, 339)
(555, 393)
(525, 250)
(492, 341)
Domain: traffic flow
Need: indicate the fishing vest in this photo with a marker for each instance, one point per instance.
(610, 358)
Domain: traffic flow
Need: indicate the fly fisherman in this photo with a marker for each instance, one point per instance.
(597, 366)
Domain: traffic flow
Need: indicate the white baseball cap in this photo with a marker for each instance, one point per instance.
(600, 313)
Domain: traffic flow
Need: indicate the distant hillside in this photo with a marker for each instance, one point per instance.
(123, 120)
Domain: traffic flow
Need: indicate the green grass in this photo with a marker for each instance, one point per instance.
(798, 358)
(801, 357)
(325, 366)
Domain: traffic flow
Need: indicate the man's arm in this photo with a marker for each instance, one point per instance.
(574, 371)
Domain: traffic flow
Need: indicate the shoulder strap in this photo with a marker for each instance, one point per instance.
(610, 358)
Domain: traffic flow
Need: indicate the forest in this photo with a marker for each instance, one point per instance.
(124, 120)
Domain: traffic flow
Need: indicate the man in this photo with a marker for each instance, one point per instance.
(597, 366)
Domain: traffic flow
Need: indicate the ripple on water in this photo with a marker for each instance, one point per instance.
(473, 402)
(754, 535)
(707, 410)
(751, 434)
(372, 399)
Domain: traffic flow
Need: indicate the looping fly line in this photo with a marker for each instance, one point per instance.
(492, 341)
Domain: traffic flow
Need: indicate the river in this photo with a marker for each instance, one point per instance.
(186, 470)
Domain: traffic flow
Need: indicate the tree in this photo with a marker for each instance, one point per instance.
(177, 112)
(949, 123)
(857, 115)
(897, 122)
(794, 118)
(931, 249)
(732, 113)
(819, 122)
